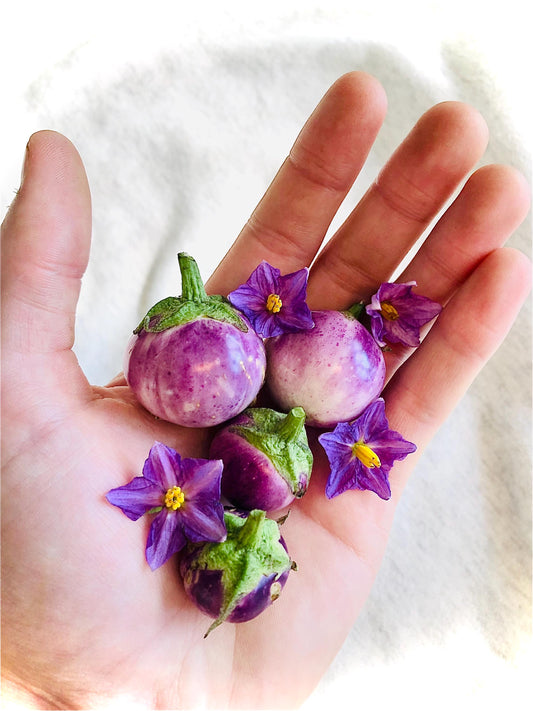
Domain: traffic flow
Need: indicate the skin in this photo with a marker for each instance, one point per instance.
(85, 621)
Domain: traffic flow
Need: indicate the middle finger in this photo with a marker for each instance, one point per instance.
(419, 178)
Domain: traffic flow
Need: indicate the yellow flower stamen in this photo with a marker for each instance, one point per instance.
(273, 303)
(388, 311)
(174, 498)
(365, 455)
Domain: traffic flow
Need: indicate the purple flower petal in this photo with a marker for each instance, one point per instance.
(352, 449)
(375, 480)
(266, 324)
(401, 331)
(252, 299)
(371, 421)
(164, 538)
(342, 436)
(393, 291)
(193, 511)
(391, 447)
(136, 498)
(248, 300)
(343, 477)
(163, 466)
(201, 478)
(265, 279)
(291, 286)
(396, 314)
(204, 521)
(338, 443)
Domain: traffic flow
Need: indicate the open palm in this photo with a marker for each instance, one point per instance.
(85, 620)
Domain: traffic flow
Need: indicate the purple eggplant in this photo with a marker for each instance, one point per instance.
(237, 579)
(333, 371)
(195, 360)
(267, 458)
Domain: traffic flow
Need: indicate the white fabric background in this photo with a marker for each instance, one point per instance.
(182, 113)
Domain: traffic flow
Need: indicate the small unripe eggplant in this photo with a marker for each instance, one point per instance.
(195, 360)
(333, 370)
(237, 579)
(267, 458)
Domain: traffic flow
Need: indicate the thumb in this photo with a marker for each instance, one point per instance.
(45, 248)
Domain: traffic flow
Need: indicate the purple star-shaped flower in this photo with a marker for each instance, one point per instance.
(274, 304)
(396, 314)
(185, 494)
(361, 453)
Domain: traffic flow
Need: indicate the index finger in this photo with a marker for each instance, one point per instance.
(290, 222)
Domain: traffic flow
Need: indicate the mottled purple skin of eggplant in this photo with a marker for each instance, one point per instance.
(333, 370)
(204, 588)
(249, 479)
(198, 374)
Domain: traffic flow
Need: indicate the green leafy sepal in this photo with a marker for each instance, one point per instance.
(283, 439)
(358, 312)
(252, 549)
(193, 303)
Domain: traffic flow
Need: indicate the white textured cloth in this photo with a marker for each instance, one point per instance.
(182, 113)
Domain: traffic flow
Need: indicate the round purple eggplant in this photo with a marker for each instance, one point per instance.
(237, 579)
(267, 458)
(195, 360)
(333, 371)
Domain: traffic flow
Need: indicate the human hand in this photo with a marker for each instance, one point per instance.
(85, 620)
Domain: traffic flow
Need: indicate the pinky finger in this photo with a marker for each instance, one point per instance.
(427, 387)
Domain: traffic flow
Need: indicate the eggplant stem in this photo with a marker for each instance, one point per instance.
(192, 286)
(292, 424)
(251, 528)
(357, 309)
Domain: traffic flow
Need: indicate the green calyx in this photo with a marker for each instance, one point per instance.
(283, 439)
(357, 310)
(252, 549)
(192, 304)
